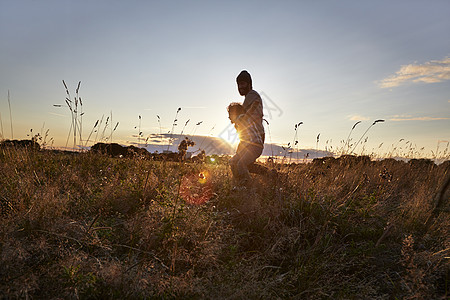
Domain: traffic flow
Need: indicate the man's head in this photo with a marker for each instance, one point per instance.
(244, 82)
(234, 110)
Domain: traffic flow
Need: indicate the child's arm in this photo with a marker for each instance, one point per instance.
(240, 120)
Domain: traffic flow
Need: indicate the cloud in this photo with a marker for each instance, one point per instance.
(399, 118)
(59, 115)
(358, 118)
(429, 72)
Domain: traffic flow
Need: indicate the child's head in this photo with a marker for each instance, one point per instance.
(234, 110)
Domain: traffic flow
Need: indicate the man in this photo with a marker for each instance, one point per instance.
(183, 147)
(252, 146)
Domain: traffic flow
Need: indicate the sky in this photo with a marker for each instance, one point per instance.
(327, 64)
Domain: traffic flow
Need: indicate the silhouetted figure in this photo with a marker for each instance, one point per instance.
(183, 146)
(247, 119)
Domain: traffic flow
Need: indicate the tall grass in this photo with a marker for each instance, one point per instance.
(364, 134)
(90, 134)
(195, 128)
(107, 123)
(272, 157)
(75, 107)
(112, 131)
(295, 140)
(139, 135)
(175, 120)
(184, 127)
(159, 123)
(347, 146)
(90, 226)
(10, 116)
(1, 127)
(99, 126)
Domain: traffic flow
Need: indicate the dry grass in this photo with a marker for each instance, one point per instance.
(90, 226)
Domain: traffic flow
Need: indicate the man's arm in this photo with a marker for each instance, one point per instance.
(255, 111)
(253, 107)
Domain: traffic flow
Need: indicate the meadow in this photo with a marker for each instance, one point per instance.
(90, 226)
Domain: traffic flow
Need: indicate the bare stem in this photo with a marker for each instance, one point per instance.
(10, 117)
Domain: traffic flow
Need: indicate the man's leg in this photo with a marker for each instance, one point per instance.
(233, 165)
(256, 168)
(249, 154)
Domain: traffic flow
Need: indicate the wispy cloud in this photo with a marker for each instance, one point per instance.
(401, 118)
(358, 118)
(429, 72)
(55, 114)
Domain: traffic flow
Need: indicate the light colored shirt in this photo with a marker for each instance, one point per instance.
(248, 132)
(250, 123)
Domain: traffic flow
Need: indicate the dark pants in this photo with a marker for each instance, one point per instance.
(246, 155)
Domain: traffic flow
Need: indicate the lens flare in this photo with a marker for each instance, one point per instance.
(196, 188)
(202, 178)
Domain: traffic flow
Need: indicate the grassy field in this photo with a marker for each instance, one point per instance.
(91, 226)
